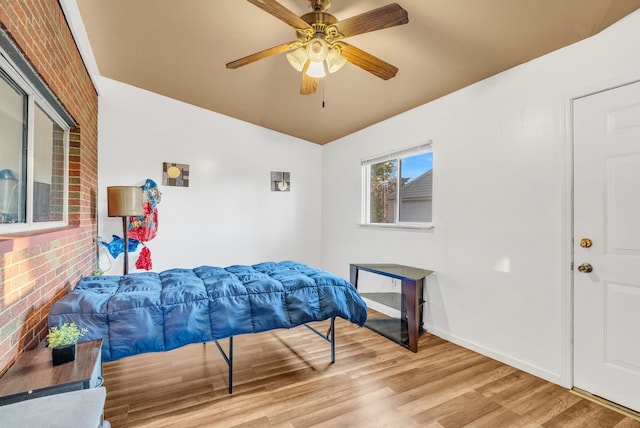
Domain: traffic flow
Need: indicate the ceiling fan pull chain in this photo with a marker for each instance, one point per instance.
(323, 94)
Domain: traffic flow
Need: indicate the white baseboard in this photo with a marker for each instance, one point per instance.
(513, 362)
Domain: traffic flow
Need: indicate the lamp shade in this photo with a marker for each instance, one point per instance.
(124, 201)
(316, 69)
(335, 61)
(317, 49)
(297, 58)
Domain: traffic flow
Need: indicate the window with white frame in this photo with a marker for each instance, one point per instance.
(33, 155)
(398, 188)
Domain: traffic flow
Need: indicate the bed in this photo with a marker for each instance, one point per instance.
(156, 312)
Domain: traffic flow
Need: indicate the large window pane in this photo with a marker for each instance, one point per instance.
(416, 185)
(48, 172)
(13, 105)
(33, 156)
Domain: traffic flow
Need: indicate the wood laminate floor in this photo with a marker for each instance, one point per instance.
(283, 378)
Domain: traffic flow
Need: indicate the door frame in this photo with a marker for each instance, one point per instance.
(566, 373)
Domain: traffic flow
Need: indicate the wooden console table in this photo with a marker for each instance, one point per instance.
(34, 375)
(411, 298)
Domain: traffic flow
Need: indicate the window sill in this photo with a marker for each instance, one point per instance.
(20, 241)
(428, 227)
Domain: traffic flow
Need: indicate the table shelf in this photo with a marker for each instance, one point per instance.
(34, 375)
(405, 329)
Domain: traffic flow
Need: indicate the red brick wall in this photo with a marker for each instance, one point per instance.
(38, 268)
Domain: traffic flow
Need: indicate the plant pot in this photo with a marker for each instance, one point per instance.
(63, 354)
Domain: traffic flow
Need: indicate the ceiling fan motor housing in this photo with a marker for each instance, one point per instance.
(319, 22)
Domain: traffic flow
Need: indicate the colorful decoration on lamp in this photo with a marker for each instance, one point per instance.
(145, 227)
(144, 260)
(116, 246)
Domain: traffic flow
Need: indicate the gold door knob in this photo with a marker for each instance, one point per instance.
(586, 243)
(585, 268)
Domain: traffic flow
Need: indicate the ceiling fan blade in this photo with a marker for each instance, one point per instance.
(377, 19)
(309, 84)
(260, 55)
(368, 62)
(281, 12)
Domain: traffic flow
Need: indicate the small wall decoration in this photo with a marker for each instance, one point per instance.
(280, 181)
(175, 174)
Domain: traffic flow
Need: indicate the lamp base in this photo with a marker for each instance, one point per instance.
(126, 244)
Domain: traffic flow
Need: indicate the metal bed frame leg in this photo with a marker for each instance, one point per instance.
(333, 340)
(228, 358)
(329, 337)
(230, 364)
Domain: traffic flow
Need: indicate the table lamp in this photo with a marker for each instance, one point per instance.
(125, 201)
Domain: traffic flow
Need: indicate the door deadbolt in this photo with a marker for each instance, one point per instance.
(585, 268)
(586, 243)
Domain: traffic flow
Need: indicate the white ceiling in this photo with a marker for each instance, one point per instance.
(179, 48)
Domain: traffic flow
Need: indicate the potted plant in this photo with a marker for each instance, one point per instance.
(62, 341)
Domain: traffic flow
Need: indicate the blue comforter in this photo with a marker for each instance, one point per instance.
(149, 312)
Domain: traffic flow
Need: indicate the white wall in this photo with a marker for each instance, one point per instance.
(228, 214)
(501, 206)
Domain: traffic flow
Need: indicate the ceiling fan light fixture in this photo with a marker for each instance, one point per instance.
(335, 61)
(297, 58)
(319, 40)
(316, 69)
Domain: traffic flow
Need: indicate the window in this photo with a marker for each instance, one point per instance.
(33, 155)
(397, 188)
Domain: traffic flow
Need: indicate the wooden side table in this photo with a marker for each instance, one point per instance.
(411, 298)
(34, 375)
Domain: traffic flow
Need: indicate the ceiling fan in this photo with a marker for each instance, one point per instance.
(320, 41)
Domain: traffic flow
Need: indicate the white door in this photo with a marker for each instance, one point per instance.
(607, 212)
